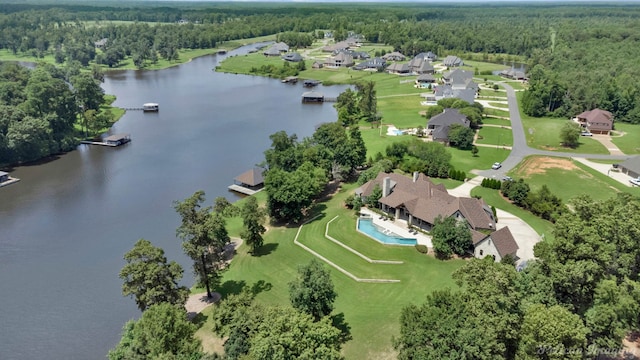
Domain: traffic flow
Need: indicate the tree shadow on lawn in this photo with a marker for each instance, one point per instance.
(339, 323)
(265, 249)
(233, 287)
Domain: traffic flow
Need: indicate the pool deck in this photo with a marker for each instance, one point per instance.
(399, 227)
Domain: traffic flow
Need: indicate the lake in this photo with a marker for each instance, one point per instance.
(66, 225)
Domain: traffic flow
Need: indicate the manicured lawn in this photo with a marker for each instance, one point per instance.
(376, 142)
(462, 159)
(493, 197)
(496, 121)
(517, 85)
(568, 179)
(402, 111)
(500, 105)
(371, 310)
(496, 112)
(449, 183)
(495, 136)
(481, 66)
(629, 143)
(544, 133)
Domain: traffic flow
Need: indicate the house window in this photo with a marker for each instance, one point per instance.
(481, 252)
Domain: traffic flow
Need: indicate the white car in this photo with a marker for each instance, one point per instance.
(586, 133)
(635, 182)
(496, 166)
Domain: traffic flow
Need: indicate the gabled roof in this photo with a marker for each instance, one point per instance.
(292, 57)
(394, 56)
(252, 177)
(375, 63)
(425, 67)
(282, 47)
(632, 164)
(458, 76)
(425, 78)
(597, 116)
(398, 68)
(446, 91)
(452, 61)
(2, 173)
(504, 242)
(447, 118)
(272, 51)
(336, 46)
(426, 201)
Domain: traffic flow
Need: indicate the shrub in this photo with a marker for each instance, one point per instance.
(422, 249)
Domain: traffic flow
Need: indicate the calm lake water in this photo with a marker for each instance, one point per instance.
(66, 225)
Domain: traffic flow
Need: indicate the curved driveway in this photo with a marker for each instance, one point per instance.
(520, 148)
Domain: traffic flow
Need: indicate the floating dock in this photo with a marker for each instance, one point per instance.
(290, 80)
(112, 141)
(5, 179)
(148, 107)
(243, 190)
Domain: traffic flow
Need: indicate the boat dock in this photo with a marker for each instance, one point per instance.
(5, 179)
(112, 141)
(243, 190)
(148, 107)
(249, 182)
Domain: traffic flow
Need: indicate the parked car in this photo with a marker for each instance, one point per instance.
(496, 166)
(635, 182)
(507, 178)
(586, 133)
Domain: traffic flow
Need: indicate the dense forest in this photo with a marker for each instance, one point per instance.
(560, 43)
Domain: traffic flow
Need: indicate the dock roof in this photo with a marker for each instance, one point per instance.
(3, 173)
(116, 137)
(252, 177)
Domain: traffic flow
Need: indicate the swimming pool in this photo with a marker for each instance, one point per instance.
(367, 227)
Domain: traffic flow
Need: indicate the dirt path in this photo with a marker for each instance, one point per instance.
(198, 302)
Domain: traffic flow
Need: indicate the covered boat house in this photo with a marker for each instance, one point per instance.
(117, 139)
(312, 97)
(249, 182)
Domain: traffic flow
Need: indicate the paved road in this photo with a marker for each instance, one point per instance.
(520, 148)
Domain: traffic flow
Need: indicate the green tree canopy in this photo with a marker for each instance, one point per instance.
(150, 278)
(312, 292)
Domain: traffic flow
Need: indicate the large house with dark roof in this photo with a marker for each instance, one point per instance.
(341, 60)
(438, 126)
(631, 167)
(597, 121)
(376, 64)
(419, 201)
(421, 63)
(394, 56)
(452, 61)
(397, 68)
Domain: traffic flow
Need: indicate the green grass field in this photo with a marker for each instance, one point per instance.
(629, 143)
(496, 112)
(500, 105)
(496, 121)
(495, 136)
(544, 133)
(402, 111)
(371, 310)
(377, 140)
(462, 159)
(568, 179)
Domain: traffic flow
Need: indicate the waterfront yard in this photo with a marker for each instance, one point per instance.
(371, 310)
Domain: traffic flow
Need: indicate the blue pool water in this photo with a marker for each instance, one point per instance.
(399, 132)
(367, 227)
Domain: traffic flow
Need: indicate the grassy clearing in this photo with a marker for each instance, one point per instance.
(402, 111)
(7, 55)
(376, 142)
(544, 133)
(495, 136)
(500, 105)
(371, 310)
(496, 121)
(517, 85)
(629, 143)
(481, 66)
(496, 112)
(463, 160)
(493, 197)
(568, 179)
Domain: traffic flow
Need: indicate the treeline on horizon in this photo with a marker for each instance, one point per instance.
(579, 56)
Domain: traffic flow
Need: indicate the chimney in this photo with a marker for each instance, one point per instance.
(415, 176)
(386, 186)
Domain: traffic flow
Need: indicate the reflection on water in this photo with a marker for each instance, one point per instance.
(66, 225)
